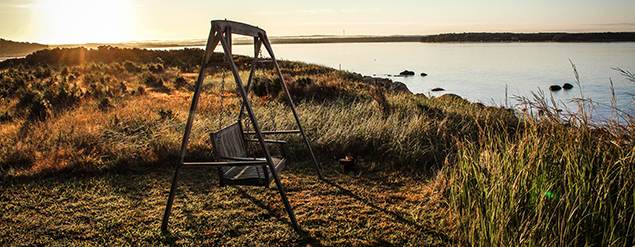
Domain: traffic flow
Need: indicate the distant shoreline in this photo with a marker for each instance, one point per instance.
(19, 49)
(437, 38)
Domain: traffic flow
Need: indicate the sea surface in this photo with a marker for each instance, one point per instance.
(496, 74)
(490, 73)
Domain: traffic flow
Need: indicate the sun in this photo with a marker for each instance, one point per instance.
(86, 21)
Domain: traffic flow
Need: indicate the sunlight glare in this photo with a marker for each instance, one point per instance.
(81, 21)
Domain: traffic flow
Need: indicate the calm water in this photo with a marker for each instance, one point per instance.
(480, 72)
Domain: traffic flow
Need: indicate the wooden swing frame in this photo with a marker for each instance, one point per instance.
(221, 32)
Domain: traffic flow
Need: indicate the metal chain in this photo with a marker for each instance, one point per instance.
(262, 70)
(222, 97)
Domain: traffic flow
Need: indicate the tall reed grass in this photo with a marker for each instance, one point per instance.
(563, 180)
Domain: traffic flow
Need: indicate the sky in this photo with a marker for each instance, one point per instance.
(113, 21)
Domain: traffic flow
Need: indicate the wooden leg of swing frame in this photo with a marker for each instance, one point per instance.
(265, 171)
(168, 207)
(221, 178)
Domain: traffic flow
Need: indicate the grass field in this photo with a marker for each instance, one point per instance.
(365, 208)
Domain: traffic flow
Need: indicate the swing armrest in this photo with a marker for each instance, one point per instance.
(255, 160)
(268, 141)
(224, 163)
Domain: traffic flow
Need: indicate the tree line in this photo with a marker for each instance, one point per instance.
(531, 37)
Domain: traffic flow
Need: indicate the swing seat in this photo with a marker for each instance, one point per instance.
(230, 145)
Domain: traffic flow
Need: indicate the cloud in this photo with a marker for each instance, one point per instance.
(29, 6)
(18, 4)
(271, 13)
(360, 10)
(315, 11)
(330, 11)
(618, 24)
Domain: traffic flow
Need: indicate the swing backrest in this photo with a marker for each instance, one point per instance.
(229, 141)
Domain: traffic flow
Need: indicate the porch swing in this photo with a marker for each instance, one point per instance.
(231, 143)
(234, 163)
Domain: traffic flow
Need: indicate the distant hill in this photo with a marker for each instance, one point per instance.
(12, 48)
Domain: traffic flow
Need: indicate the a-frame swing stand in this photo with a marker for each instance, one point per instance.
(221, 32)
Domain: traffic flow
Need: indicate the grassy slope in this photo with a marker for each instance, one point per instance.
(95, 168)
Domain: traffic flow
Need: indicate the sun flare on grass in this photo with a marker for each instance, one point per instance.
(80, 21)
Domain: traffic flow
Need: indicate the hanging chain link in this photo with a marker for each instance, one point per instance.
(222, 99)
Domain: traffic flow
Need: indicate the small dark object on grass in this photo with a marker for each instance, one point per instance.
(437, 89)
(555, 88)
(567, 86)
(348, 163)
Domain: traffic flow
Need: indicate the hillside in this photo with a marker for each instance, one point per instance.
(89, 139)
(10, 48)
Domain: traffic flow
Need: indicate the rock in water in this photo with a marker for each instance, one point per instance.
(424, 74)
(555, 88)
(407, 72)
(567, 86)
(437, 89)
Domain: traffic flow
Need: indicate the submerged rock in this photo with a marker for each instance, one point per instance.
(437, 89)
(407, 72)
(567, 86)
(423, 74)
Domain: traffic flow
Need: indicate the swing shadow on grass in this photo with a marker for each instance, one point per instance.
(329, 213)
(398, 217)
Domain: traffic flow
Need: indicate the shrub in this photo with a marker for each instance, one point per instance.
(304, 81)
(104, 104)
(131, 67)
(152, 80)
(179, 81)
(65, 71)
(165, 114)
(6, 116)
(156, 68)
(42, 72)
(263, 85)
